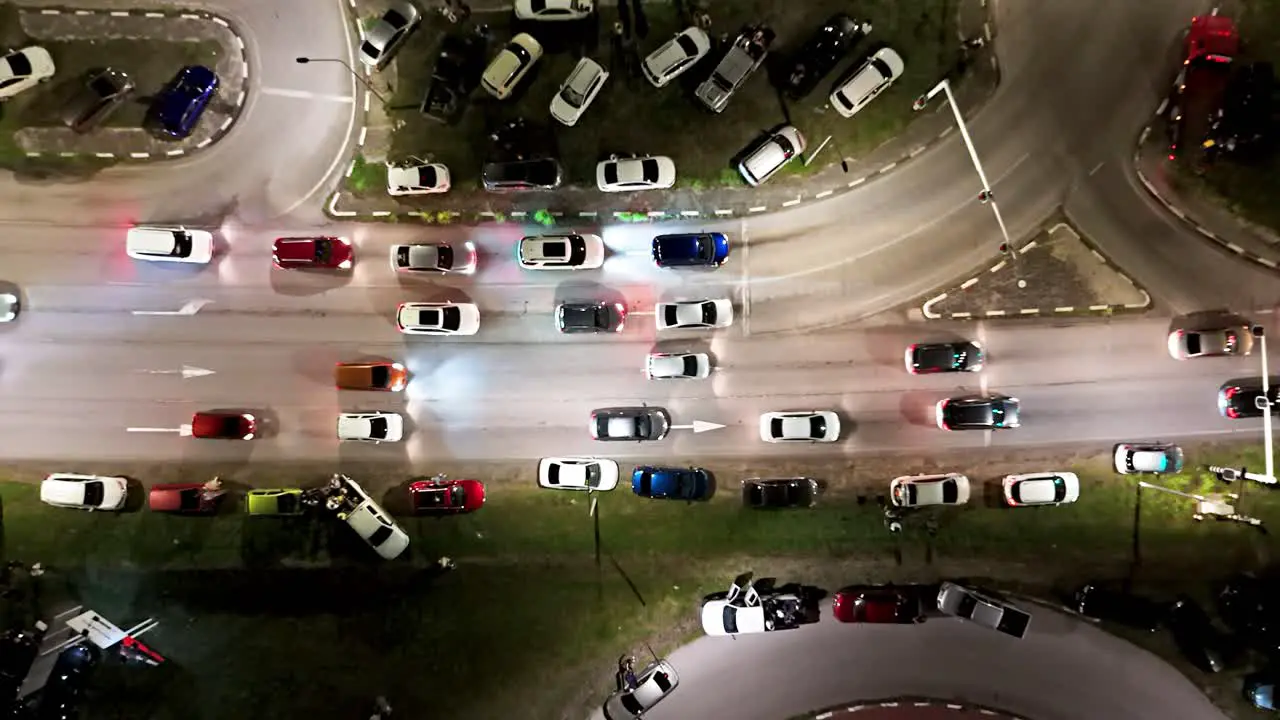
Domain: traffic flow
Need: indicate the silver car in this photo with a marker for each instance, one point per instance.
(630, 423)
(385, 35)
(654, 683)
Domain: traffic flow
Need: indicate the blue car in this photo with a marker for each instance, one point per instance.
(671, 483)
(178, 107)
(691, 250)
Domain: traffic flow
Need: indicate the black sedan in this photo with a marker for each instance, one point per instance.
(821, 53)
(779, 493)
(1119, 607)
(977, 412)
(1250, 606)
(590, 317)
(630, 423)
(1202, 644)
(926, 358)
(1241, 401)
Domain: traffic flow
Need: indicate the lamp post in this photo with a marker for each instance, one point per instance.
(354, 74)
(1264, 404)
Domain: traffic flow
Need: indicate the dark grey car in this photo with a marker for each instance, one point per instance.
(100, 96)
(630, 423)
(590, 317)
(779, 492)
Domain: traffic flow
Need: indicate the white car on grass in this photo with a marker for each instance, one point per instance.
(676, 56)
(169, 244)
(694, 314)
(570, 251)
(873, 78)
(577, 473)
(417, 178)
(578, 90)
(442, 318)
(84, 492)
(435, 257)
(653, 683)
(922, 490)
(374, 427)
(1047, 488)
(24, 69)
(509, 67)
(800, 426)
(664, 366)
(554, 9)
(1155, 458)
(639, 173)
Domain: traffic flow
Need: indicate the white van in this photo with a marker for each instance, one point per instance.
(771, 154)
(169, 244)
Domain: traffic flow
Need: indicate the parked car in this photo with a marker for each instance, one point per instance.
(84, 492)
(1250, 606)
(371, 522)
(1202, 644)
(770, 154)
(577, 473)
(694, 314)
(1259, 689)
(577, 91)
(102, 93)
(386, 376)
(417, 177)
(867, 82)
(24, 69)
(435, 257)
(1119, 607)
(822, 52)
(1235, 340)
(521, 175)
(584, 316)
(656, 681)
(928, 358)
(63, 695)
(660, 483)
(1131, 458)
(438, 318)
(925, 490)
(302, 253)
(446, 497)
(982, 608)
(977, 412)
(803, 426)
(372, 427)
(744, 55)
(177, 109)
(554, 9)
(169, 244)
(877, 604)
(567, 251)
(1241, 400)
(1047, 488)
(677, 365)
(511, 64)
(676, 56)
(616, 174)
(774, 493)
(383, 37)
(630, 423)
(274, 501)
(455, 75)
(223, 425)
(691, 250)
(9, 307)
(183, 498)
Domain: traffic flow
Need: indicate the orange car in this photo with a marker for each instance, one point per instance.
(386, 376)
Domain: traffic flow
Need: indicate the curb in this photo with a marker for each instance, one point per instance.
(912, 702)
(165, 14)
(1067, 310)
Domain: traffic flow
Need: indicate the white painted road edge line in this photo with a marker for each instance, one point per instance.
(689, 213)
(1029, 311)
(104, 155)
(789, 203)
(917, 151)
(1099, 307)
(995, 313)
(139, 155)
(856, 183)
(189, 16)
(1068, 308)
(656, 213)
(1028, 246)
(998, 266)
(928, 305)
(887, 168)
(587, 213)
(47, 11)
(968, 283)
(519, 213)
(154, 15)
(724, 212)
(222, 22)
(961, 315)
(823, 194)
(333, 208)
(381, 213)
(175, 153)
(746, 278)
(119, 13)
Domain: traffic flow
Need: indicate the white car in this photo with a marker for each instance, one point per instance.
(922, 490)
(85, 492)
(383, 36)
(510, 66)
(440, 318)
(577, 473)
(654, 683)
(770, 154)
(418, 178)
(9, 306)
(578, 90)
(694, 314)
(664, 366)
(630, 174)
(571, 251)
(1156, 458)
(676, 56)
(804, 426)
(1047, 488)
(720, 618)
(875, 75)
(554, 9)
(169, 244)
(24, 69)
(436, 257)
(378, 529)
(374, 427)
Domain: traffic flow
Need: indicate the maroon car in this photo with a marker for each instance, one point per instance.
(313, 252)
(224, 425)
(877, 604)
(186, 498)
(446, 497)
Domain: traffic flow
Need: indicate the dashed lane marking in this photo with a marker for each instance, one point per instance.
(307, 95)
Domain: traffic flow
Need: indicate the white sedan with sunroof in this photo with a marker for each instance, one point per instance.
(570, 251)
(657, 172)
(374, 427)
(444, 318)
(694, 314)
(84, 492)
(663, 366)
(1047, 488)
(577, 473)
(922, 490)
(417, 178)
(802, 426)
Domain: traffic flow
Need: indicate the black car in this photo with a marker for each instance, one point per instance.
(1200, 642)
(1119, 607)
(1240, 400)
(1250, 606)
(456, 74)
(590, 317)
(927, 358)
(1245, 117)
(64, 692)
(519, 175)
(102, 93)
(821, 53)
(630, 423)
(18, 651)
(1260, 689)
(779, 493)
(978, 412)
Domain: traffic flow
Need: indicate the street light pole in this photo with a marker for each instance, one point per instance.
(354, 74)
(1264, 403)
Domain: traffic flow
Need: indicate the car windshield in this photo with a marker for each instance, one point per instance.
(93, 492)
(450, 318)
(709, 313)
(663, 681)
(577, 250)
(950, 491)
(611, 173)
(881, 68)
(775, 427)
(402, 256)
(380, 376)
(817, 426)
(631, 704)
(102, 86)
(687, 45)
(426, 176)
(395, 19)
(19, 65)
(379, 536)
(378, 427)
(649, 169)
(690, 365)
(324, 251)
(730, 618)
(968, 604)
(538, 5)
(935, 356)
(229, 426)
(444, 257)
(593, 475)
(671, 315)
(181, 244)
(1193, 343)
(369, 49)
(189, 499)
(913, 493)
(522, 57)
(553, 474)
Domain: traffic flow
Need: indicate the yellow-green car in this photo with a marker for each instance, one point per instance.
(275, 501)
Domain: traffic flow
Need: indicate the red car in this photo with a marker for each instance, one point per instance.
(224, 426)
(184, 498)
(877, 604)
(313, 252)
(446, 497)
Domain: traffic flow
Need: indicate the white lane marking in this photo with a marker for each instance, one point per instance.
(1096, 168)
(307, 95)
(746, 279)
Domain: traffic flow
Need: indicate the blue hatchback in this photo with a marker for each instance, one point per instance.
(671, 483)
(691, 250)
(177, 109)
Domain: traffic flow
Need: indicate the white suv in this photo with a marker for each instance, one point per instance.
(678, 54)
(771, 154)
(875, 75)
(571, 251)
(169, 244)
(578, 90)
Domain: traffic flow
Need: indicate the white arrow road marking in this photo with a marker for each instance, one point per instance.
(187, 372)
(698, 426)
(182, 430)
(191, 308)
